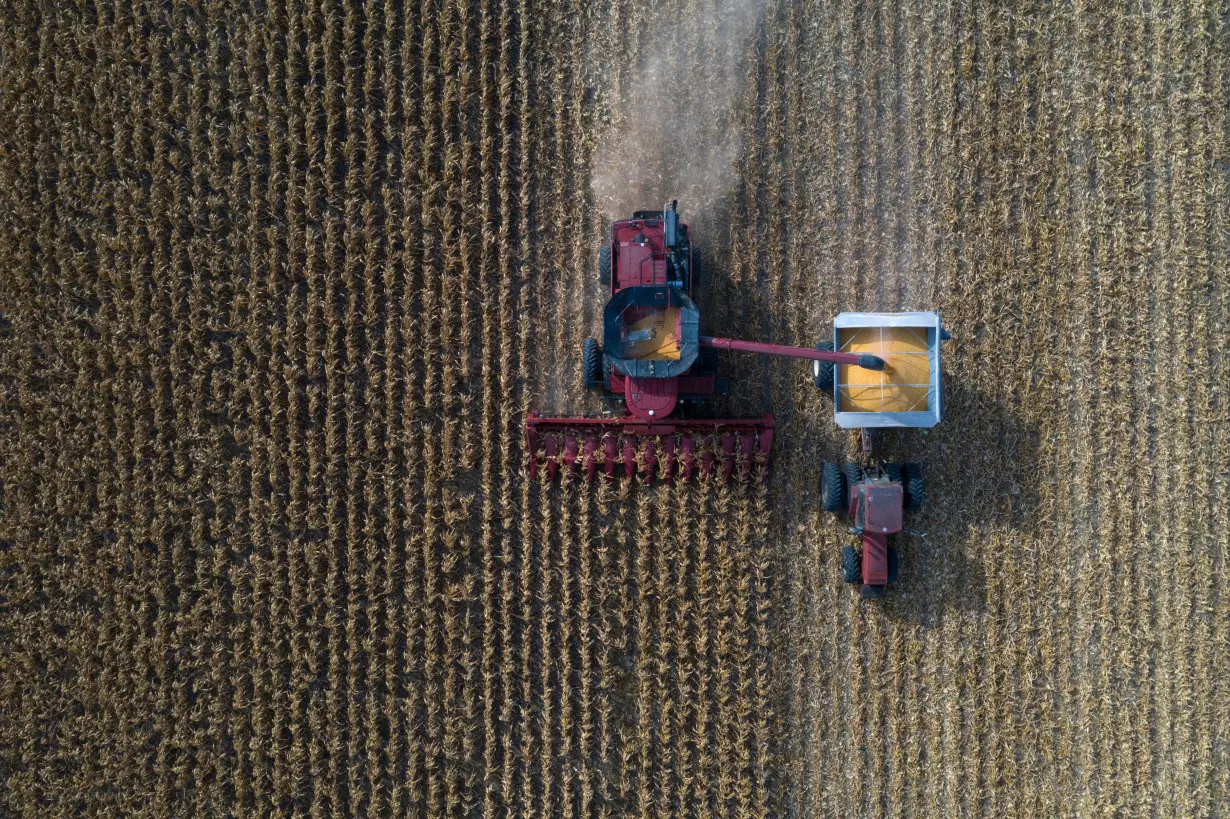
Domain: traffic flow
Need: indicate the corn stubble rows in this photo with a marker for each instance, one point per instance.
(280, 282)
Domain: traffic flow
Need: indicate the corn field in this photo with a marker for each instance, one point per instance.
(280, 280)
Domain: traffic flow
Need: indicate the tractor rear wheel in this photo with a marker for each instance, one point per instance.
(591, 365)
(893, 472)
(849, 565)
(832, 487)
(823, 372)
(912, 476)
(854, 474)
(893, 565)
(604, 264)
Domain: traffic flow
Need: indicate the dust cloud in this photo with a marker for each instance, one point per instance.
(674, 113)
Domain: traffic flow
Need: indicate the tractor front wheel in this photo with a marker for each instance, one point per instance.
(893, 565)
(822, 372)
(893, 472)
(849, 565)
(911, 475)
(832, 487)
(854, 474)
(604, 264)
(591, 365)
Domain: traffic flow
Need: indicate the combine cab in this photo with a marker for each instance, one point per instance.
(653, 361)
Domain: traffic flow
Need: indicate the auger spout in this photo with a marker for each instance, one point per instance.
(867, 362)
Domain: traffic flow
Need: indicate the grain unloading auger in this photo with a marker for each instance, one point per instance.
(655, 362)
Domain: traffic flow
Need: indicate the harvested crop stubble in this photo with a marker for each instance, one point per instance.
(281, 280)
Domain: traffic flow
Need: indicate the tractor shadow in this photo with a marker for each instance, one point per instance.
(980, 468)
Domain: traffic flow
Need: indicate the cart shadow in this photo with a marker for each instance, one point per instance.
(980, 472)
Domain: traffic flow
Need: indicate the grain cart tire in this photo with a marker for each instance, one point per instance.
(832, 487)
(604, 264)
(849, 565)
(893, 472)
(822, 372)
(854, 474)
(912, 477)
(893, 564)
(591, 365)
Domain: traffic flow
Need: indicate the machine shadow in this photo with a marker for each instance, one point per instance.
(980, 467)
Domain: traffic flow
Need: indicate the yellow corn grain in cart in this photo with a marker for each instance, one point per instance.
(906, 393)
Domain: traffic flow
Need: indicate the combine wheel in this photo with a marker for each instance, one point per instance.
(892, 564)
(849, 565)
(604, 264)
(822, 372)
(912, 476)
(832, 488)
(854, 474)
(694, 270)
(591, 365)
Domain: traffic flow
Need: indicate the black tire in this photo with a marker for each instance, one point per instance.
(871, 592)
(893, 565)
(912, 477)
(851, 571)
(823, 373)
(893, 472)
(591, 365)
(854, 474)
(694, 269)
(832, 488)
(604, 264)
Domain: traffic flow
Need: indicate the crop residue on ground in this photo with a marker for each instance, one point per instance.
(280, 281)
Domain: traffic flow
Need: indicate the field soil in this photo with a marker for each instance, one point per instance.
(280, 280)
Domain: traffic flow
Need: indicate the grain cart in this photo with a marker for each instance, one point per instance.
(904, 393)
(655, 366)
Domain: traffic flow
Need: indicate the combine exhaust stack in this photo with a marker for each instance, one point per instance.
(651, 361)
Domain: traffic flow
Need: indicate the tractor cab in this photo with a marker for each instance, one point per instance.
(875, 504)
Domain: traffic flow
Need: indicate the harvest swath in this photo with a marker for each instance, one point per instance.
(281, 281)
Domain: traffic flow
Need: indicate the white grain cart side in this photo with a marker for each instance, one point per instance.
(906, 393)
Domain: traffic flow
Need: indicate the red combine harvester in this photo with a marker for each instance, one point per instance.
(654, 361)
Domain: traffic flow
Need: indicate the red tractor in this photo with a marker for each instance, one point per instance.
(655, 365)
(874, 500)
